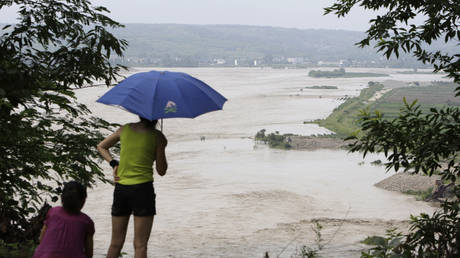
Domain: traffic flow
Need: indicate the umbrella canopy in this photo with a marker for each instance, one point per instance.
(154, 95)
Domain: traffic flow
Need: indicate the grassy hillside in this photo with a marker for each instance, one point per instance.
(344, 119)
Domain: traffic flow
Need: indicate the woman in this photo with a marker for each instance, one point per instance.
(141, 145)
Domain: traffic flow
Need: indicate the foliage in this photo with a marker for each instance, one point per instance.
(318, 236)
(430, 236)
(274, 140)
(312, 252)
(306, 252)
(415, 141)
(421, 195)
(47, 137)
(388, 246)
(335, 73)
(17, 250)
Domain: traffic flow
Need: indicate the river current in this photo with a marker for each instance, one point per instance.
(229, 197)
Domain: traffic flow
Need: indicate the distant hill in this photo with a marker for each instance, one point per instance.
(221, 45)
(192, 45)
(240, 41)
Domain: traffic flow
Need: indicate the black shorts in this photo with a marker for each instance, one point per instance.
(134, 199)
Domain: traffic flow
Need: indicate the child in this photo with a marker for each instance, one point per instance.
(67, 232)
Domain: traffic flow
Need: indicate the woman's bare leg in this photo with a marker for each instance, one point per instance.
(142, 229)
(119, 227)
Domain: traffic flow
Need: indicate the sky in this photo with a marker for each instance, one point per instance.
(301, 14)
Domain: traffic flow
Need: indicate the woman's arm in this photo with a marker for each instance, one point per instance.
(111, 140)
(42, 233)
(103, 148)
(161, 162)
(89, 246)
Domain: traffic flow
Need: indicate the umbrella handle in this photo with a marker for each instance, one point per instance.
(161, 124)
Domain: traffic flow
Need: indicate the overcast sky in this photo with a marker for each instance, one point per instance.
(302, 14)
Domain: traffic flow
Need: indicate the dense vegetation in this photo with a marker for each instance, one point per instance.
(47, 137)
(274, 140)
(341, 73)
(416, 141)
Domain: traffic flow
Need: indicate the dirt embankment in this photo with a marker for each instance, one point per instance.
(314, 143)
(405, 182)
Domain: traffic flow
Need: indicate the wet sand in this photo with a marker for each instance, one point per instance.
(227, 197)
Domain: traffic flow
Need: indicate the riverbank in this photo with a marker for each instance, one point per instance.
(314, 143)
(406, 183)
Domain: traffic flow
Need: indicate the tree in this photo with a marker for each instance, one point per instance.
(46, 136)
(417, 142)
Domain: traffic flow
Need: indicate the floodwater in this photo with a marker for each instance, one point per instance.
(228, 197)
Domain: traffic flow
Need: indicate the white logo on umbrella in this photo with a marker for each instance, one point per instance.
(170, 107)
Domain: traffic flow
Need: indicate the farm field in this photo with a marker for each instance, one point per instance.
(344, 120)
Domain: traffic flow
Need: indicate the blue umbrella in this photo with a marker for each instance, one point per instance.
(154, 95)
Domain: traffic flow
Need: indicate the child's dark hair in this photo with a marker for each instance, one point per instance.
(148, 123)
(73, 197)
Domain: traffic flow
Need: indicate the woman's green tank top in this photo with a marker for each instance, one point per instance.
(137, 154)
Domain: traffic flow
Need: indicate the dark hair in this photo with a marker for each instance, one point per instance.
(148, 123)
(73, 197)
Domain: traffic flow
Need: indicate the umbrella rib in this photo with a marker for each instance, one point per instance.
(153, 97)
(187, 104)
(206, 93)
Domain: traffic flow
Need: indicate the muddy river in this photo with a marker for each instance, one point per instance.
(229, 197)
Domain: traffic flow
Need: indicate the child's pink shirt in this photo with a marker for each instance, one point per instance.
(65, 234)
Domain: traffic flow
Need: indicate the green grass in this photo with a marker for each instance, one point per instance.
(344, 119)
(421, 195)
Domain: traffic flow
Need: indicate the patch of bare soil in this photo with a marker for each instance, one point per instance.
(405, 182)
(314, 143)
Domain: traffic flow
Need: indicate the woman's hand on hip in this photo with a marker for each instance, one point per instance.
(116, 178)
